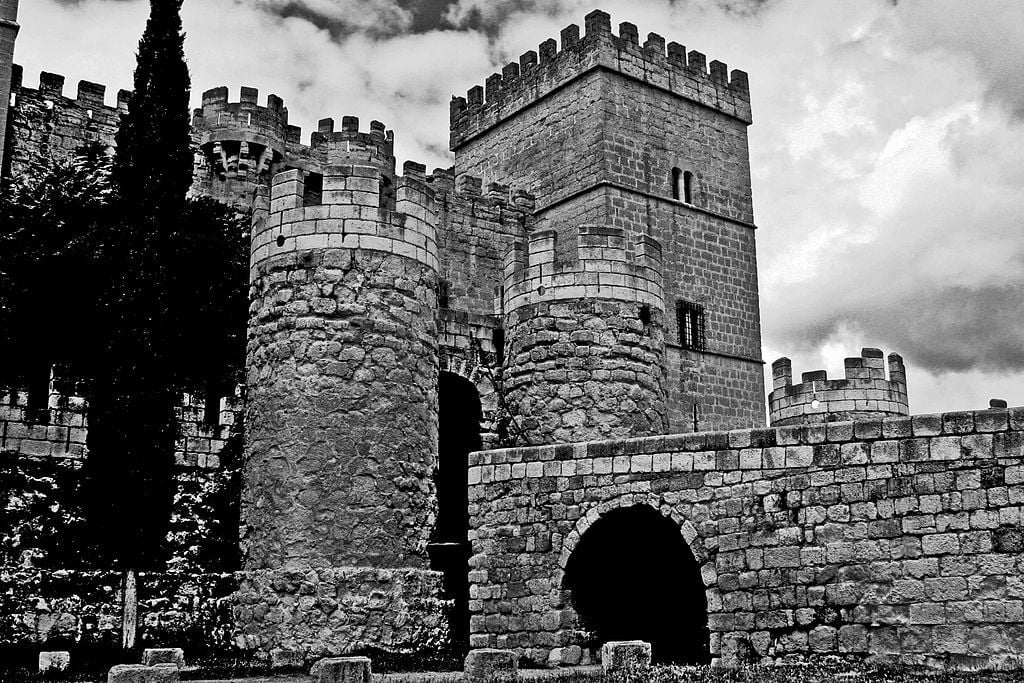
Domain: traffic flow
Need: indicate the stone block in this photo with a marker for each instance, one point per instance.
(51, 661)
(287, 659)
(341, 670)
(163, 655)
(625, 655)
(140, 673)
(488, 664)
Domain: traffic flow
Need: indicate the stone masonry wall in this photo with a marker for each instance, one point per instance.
(45, 124)
(585, 354)
(897, 538)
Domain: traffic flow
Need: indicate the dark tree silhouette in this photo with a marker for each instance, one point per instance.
(132, 425)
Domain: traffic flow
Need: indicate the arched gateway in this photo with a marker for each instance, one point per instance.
(633, 577)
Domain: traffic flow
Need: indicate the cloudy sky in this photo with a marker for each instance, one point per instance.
(887, 147)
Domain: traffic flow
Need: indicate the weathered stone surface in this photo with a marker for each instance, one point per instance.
(287, 659)
(869, 546)
(625, 655)
(342, 670)
(57, 660)
(488, 664)
(140, 673)
(163, 655)
(279, 610)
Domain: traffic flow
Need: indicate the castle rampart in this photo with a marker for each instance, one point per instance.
(864, 392)
(44, 123)
(897, 538)
(586, 340)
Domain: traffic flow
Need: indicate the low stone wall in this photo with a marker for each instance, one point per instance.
(61, 609)
(894, 538)
(335, 611)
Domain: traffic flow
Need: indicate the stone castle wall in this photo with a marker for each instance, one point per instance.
(43, 123)
(892, 538)
(61, 429)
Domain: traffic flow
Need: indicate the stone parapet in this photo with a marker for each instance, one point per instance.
(353, 214)
(670, 68)
(606, 267)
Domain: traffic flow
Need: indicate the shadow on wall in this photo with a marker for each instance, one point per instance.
(632, 577)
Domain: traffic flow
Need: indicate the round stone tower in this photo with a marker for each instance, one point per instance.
(586, 340)
(341, 426)
(863, 394)
(241, 144)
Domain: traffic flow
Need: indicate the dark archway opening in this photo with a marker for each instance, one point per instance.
(632, 577)
(459, 416)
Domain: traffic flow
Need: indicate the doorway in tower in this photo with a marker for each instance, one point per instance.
(633, 577)
(459, 416)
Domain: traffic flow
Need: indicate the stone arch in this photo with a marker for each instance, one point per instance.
(694, 641)
(471, 370)
(693, 539)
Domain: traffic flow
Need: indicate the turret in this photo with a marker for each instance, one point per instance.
(864, 392)
(241, 143)
(341, 421)
(586, 339)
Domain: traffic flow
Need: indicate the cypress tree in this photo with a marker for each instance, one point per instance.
(132, 395)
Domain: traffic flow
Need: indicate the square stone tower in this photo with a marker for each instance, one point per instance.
(8, 34)
(647, 139)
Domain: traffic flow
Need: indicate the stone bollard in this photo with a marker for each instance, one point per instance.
(58, 660)
(341, 670)
(287, 659)
(625, 655)
(163, 655)
(140, 673)
(487, 664)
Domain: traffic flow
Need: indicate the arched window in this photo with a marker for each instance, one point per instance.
(676, 176)
(688, 187)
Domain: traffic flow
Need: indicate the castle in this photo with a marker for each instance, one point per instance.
(582, 287)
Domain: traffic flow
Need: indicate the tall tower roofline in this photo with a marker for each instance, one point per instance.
(537, 74)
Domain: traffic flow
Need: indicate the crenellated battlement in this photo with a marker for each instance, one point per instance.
(358, 210)
(864, 392)
(496, 195)
(349, 145)
(241, 137)
(88, 95)
(608, 265)
(537, 73)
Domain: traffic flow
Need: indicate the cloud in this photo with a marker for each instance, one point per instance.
(888, 182)
(342, 17)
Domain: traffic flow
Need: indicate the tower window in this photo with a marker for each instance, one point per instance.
(676, 179)
(688, 187)
(690, 317)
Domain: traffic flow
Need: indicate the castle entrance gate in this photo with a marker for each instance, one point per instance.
(459, 416)
(632, 577)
